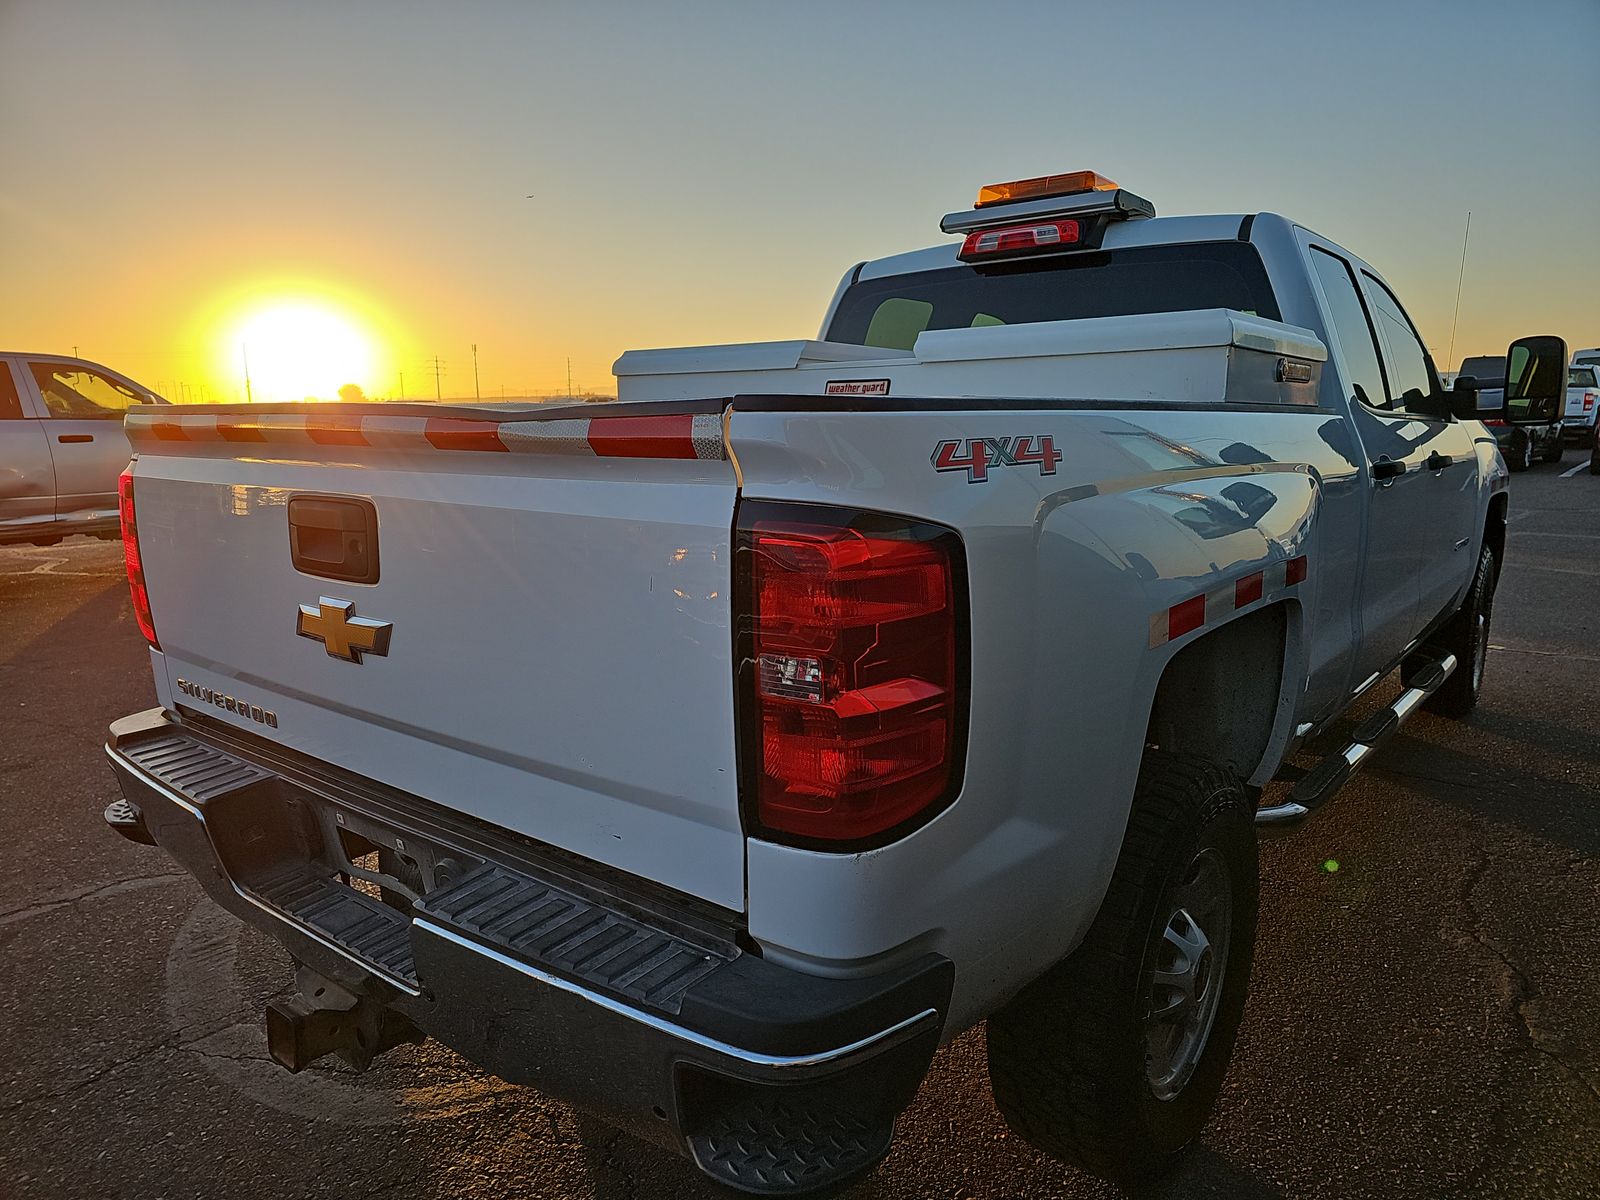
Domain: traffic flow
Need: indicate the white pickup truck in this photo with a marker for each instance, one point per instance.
(709, 758)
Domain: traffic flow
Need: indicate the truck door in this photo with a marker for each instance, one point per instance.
(84, 409)
(1396, 476)
(1447, 505)
(27, 475)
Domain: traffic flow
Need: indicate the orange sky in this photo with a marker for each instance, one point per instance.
(550, 181)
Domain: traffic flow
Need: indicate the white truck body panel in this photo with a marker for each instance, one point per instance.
(560, 650)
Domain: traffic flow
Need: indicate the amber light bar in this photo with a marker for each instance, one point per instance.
(1037, 188)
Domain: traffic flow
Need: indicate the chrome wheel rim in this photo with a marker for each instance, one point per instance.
(1185, 989)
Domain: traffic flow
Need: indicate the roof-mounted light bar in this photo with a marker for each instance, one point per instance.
(1040, 186)
(1047, 197)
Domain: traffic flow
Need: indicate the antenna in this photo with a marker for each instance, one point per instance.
(245, 351)
(1450, 357)
(476, 394)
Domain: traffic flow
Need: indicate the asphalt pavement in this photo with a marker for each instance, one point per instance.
(1424, 1021)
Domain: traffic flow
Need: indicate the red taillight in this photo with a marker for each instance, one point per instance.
(130, 555)
(853, 671)
(1493, 421)
(1021, 239)
(1588, 400)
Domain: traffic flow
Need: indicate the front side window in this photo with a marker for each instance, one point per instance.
(1348, 318)
(1407, 362)
(75, 392)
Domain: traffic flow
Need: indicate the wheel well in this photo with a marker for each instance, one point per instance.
(1494, 530)
(1219, 696)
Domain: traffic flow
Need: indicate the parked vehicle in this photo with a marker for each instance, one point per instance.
(61, 446)
(1583, 401)
(1586, 358)
(1521, 443)
(721, 751)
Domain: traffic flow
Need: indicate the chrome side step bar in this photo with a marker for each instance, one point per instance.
(1333, 772)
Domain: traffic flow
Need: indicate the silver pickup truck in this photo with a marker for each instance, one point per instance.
(61, 446)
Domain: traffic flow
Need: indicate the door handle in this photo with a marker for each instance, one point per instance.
(66, 438)
(1438, 462)
(1386, 468)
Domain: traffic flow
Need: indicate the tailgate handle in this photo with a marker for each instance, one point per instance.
(334, 537)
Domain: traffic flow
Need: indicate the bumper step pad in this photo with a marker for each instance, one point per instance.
(559, 931)
(778, 1148)
(367, 928)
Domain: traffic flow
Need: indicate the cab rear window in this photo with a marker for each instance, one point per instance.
(892, 311)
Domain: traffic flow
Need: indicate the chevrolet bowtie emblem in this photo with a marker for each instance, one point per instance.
(342, 635)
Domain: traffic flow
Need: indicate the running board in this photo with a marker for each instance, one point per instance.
(1319, 784)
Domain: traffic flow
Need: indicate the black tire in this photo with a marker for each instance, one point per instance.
(1069, 1060)
(1558, 449)
(1464, 636)
(1594, 454)
(1519, 455)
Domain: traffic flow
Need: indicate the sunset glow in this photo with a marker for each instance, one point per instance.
(300, 340)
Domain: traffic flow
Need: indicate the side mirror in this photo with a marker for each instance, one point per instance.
(1536, 380)
(1463, 398)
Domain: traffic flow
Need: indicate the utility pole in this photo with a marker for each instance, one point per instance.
(438, 368)
(245, 351)
(74, 351)
(569, 377)
(1450, 357)
(476, 394)
(402, 385)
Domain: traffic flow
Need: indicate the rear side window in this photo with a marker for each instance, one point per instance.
(1348, 316)
(10, 402)
(1583, 377)
(892, 311)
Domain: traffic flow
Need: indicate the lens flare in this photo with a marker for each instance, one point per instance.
(300, 349)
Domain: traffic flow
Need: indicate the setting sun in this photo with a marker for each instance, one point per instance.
(297, 349)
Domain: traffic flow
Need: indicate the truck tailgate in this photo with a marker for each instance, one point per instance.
(556, 590)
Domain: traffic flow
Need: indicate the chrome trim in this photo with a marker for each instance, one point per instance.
(1291, 812)
(315, 935)
(897, 1032)
(1287, 813)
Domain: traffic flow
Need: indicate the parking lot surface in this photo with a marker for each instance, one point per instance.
(1424, 1020)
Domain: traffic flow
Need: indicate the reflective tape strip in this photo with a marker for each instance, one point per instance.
(671, 435)
(1217, 605)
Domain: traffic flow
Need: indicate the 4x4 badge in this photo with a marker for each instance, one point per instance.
(341, 634)
(983, 453)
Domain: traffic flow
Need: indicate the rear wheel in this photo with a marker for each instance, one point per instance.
(1466, 635)
(1112, 1060)
(1594, 452)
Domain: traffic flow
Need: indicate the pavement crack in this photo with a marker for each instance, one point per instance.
(1520, 990)
(115, 888)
